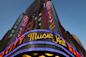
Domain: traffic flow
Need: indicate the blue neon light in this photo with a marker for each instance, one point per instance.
(39, 42)
(40, 49)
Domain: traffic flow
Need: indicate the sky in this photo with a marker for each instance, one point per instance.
(72, 14)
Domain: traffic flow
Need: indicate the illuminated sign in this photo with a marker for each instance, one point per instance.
(48, 6)
(73, 51)
(23, 25)
(12, 46)
(54, 38)
(35, 36)
(40, 34)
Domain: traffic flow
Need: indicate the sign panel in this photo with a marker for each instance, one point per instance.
(36, 35)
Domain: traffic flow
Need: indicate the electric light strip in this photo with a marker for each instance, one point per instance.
(40, 42)
(40, 49)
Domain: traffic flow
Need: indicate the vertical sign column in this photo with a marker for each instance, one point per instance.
(48, 7)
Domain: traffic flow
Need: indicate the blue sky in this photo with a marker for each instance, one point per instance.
(72, 14)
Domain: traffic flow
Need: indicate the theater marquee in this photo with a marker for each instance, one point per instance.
(40, 36)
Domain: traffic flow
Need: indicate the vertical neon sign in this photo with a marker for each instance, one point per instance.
(23, 25)
(48, 6)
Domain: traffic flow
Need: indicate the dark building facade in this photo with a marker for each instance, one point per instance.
(38, 33)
